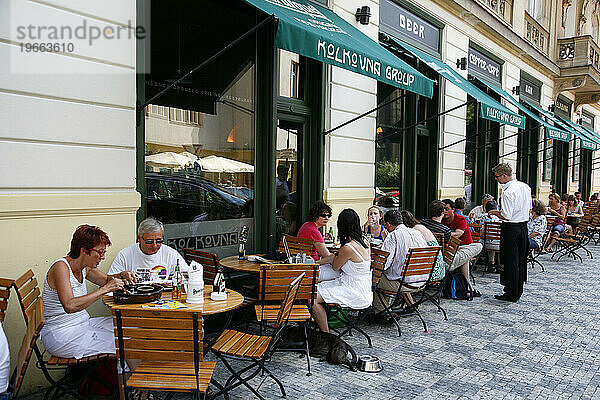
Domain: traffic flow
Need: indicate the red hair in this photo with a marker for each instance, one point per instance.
(87, 236)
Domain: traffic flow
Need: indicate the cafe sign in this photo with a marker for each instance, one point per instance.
(562, 107)
(498, 115)
(587, 120)
(557, 134)
(530, 89)
(484, 67)
(405, 25)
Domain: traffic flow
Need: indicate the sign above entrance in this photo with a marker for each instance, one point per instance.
(530, 89)
(587, 120)
(484, 67)
(316, 32)
(405, 25)
(562, 107)
(489, 107)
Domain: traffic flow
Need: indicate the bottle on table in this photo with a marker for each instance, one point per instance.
(219, 282)
(177, 282)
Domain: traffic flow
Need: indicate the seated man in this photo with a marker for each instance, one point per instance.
(399, 240)
(477, 212)
(460, 205)
(460, 229)
(147, 253)
(434, 222)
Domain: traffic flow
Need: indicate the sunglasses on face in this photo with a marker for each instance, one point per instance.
(101, 253)
(325, 215)
(152, 241)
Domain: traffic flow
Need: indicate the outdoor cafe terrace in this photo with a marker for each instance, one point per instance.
(545, 346)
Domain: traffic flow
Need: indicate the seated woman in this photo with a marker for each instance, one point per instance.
(353, 287)
(558, 226)
(492, 246)
(318, 216)
(373, 225)
(536, 227)
(439, 271)
(68, 329)
(574, 213)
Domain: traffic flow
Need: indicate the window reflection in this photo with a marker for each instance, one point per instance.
(200, 169)
(287, 182)
(290, 75)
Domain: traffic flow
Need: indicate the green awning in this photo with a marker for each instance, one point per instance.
(552, 132)
(316, 32)
(587, 141)
(489, 107)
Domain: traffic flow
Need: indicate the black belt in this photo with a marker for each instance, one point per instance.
(516, 223)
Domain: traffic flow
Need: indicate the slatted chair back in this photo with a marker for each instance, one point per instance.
(28, 292)
(5, 285)
(296, 245)
(491, 230)
(440, 238)
(378, 260)
(420, 262)
(34, 325)
(476, 231)
(450, 249)
(291, 293)
(276, 278)
(209, 261)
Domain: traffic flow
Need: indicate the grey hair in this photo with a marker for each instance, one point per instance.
(150, 225)
(487, 197)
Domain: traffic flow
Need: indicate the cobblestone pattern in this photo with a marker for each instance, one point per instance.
(546, 346)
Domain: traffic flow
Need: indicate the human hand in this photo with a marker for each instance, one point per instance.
(128, 276)
(113, 284)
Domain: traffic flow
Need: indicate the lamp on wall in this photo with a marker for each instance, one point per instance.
(579, 121)
(516, 90)
(461, 63)
(362, 15)
(551, 108)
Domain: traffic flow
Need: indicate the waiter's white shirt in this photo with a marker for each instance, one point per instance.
(516, 201)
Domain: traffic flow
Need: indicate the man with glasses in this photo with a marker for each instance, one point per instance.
(515, 204)
(148, 254)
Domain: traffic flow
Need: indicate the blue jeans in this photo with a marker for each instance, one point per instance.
(560, 229)
(533, 244)
(4, 396)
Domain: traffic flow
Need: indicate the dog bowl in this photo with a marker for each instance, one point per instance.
(368, 363)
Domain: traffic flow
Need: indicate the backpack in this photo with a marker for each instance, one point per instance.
(456, 287)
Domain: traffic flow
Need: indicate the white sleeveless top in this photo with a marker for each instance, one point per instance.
(54, 313)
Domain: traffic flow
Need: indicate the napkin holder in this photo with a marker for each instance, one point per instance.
(195, 294)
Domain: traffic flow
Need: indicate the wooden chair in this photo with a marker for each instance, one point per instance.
(296, 245)
(378, 260)
(255, 349)
(490, 237)
(274, 282)
(419, 263)
(475, 231)
(169, 345)
(32, 308)
(32, 332)
(572, 243)
(209, 262)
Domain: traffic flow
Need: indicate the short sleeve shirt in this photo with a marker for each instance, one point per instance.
(459, 222)
(309, 230)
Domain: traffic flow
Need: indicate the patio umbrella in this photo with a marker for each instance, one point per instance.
(222, 164)
(168, 158)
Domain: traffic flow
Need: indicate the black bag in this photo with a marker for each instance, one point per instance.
(456, 287)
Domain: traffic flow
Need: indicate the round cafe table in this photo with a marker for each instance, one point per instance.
(210, 307)
(233, 262)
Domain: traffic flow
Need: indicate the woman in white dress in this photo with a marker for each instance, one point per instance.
(68, 329)
(353, 287)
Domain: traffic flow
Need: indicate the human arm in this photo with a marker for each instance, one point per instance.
(58, 279)
(457, 233)
(98, 277)
(322, 249)
(340, 259)
(498, 214)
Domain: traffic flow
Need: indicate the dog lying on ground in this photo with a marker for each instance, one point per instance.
(323, 345)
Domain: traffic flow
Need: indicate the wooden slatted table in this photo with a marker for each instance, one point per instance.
(210, 307)
(233, 262)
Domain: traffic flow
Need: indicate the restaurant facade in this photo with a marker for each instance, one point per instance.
(439, 93)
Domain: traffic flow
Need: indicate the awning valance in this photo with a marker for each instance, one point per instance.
(587, 141)
(489, 107)
(552, 131)
(319, 33)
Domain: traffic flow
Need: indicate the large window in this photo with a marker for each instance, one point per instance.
(200, 168)
(547, 175)
(537, 9)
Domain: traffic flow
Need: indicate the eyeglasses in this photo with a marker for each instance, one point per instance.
(152, 241)
(325, 215)
(101, 253)
(498, 176)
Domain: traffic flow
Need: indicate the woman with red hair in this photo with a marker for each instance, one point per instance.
(68, 329)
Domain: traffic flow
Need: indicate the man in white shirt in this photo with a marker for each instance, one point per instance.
(477, 212)
(579, 199)
(398, 241)
(515, 204)
(4, 365)
(149, 254)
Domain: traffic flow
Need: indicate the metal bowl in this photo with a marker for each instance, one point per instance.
(140, 293)
(368, 363)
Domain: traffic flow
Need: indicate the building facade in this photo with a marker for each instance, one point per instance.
(88, 137)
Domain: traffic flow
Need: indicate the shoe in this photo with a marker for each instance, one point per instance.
(504, 297)
(409, 310)
(476, 293)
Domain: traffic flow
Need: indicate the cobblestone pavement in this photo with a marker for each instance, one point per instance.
(546, 346)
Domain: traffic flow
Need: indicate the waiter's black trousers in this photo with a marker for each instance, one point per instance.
(514, 245)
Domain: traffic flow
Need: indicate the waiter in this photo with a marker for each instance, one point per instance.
(515, 204)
